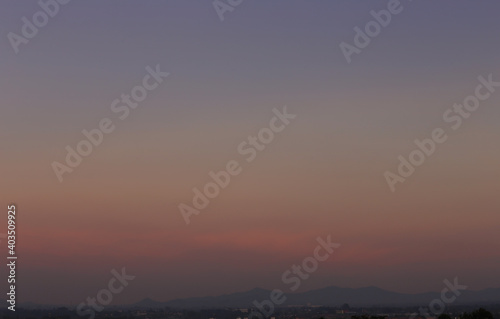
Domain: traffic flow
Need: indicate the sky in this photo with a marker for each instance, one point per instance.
(323, 174)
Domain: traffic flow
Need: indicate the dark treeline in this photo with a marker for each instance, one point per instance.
(302, 312)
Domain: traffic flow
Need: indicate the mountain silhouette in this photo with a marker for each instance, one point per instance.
(329, 296)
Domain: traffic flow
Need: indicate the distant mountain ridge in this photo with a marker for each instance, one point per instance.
(329, 296)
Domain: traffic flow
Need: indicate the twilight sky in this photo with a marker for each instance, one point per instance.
(323, 174)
